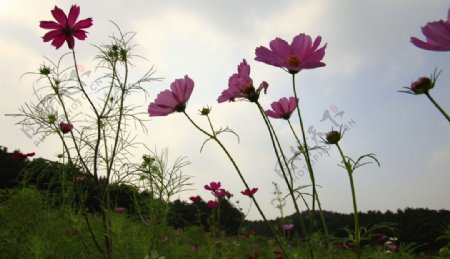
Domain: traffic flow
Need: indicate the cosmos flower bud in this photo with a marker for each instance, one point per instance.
(65, 127)
(205, 111)
(44, 70)
(422, 85)
(333, 137)
(51, 118)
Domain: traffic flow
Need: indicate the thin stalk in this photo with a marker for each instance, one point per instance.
(305, 152)
(275, 143)
(355, 207)
(66, 115)
(243, 181)
(438, 106)
(322, 218)
(119, 123)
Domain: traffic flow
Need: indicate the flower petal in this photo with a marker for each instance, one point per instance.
(59, 16)
(58, 41)
(83, 24)
(52, 35)
(51, 25)
(73, 15)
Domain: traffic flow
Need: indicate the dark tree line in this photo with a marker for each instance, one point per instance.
(419, 226)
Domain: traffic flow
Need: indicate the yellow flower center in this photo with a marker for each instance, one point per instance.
(293, 60)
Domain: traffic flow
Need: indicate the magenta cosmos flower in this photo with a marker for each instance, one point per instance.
(195, 199)
(240, 85)
(222, 193)
(302, 53)
(174, 100)
(66, 27)
(17, 155)
(283, 108)
(213, 204)
(248, 192)
(213, 186)
(437, 36)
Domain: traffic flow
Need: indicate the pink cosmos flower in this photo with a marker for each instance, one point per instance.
(174, 100)
(287, 227)
(213, 186)
(120, 209)
(195, 199)
(240, 85)
(248, 192)
(302, 53)
(437, 36)
(17, 155)
(221, 193)
(213, 204)
(66, 27)
(283, 108)
(65, 127)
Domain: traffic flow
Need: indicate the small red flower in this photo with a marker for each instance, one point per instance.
(248, 192)
(120, 209)
(195, 199)
(213, 204)
(213, 186)
(66, 27)
(65, 127)
(221, 193)
(253, 256)
(17, 155)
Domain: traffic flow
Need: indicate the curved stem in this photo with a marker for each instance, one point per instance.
(315, 196)
(243, 181)
(438, 106)
(349, 169)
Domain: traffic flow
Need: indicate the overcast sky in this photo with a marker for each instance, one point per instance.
(368, 58)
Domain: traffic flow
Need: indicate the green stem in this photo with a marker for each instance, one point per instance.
(349, 169)
(243, 181)
(315, 196)
(66, 115)
(437, 106)
(289, 182)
